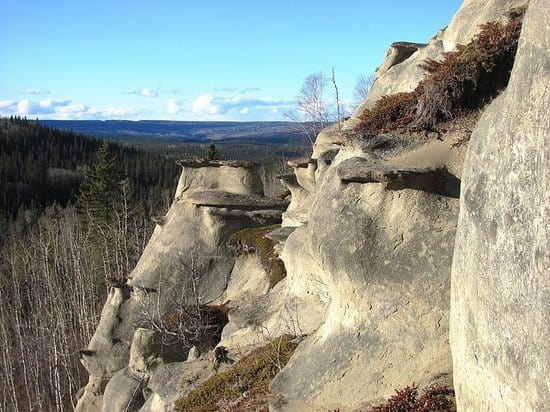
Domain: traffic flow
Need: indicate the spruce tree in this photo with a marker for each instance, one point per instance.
(101, 192)
(212, 153)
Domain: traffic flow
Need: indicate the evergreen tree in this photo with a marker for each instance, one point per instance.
(101, 192)
(212, 153)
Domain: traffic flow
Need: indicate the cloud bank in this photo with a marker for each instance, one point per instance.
(209, 105)
(65, 109)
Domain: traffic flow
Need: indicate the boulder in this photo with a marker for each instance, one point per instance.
(230, 176)
(500, 303)
(124, 392)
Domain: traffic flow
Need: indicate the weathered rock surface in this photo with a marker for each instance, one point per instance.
(234, 177)
(361, 170)
(501, 271)
(218, 198)
(186, 259)
(297, 212)
(382, 259)
(398, 53)
(367, 242)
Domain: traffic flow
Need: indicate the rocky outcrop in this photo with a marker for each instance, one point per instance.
(500, 282)
(368, 242)
(186, 261)
(403, 74)
(380, 256)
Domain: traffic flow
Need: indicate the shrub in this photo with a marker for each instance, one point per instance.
(464, 80)
(433, 399)
(390, 112)
(253, 240)
(245, 384)
(199, 326)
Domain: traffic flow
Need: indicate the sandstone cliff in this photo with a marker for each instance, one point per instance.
(500, 283)
(367, 243)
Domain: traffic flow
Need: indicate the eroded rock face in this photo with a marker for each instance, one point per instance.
(381, 255)
(185, 261)
(501, 271)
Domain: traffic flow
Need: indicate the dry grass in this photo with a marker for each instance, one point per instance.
(463, 81)
(253, 240)
(243, 387)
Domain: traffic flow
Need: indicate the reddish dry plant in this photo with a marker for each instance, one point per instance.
(194, 326)
(464, 80)
(434, 399)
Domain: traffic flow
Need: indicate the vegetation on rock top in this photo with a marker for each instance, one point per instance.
(243, 387)
(253, 240)
(463, 81)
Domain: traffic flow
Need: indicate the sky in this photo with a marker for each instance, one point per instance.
(242, 60)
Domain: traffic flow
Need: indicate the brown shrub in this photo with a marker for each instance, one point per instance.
(434, 399)
(390, 112)
(464, 80)
(199, 326)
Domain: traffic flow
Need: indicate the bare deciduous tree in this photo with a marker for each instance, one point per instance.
(52, 286)
(337, 98)
(312, 109)
(186, 319)
(362, 88)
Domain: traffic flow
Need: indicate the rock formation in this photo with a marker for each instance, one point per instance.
(368, 243)
(500, 284)
(185, 262)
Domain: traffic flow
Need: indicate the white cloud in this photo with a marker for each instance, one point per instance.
(231, 88)
(250, 90)
(64, 109)
(208, 104)
(146, 92)
(83, 111)
(173, 106)
(31, 90)
(8, 106)
(205, 104)
(43, 107)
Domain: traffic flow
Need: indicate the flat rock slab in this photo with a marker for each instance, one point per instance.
(301, 163)
(408, 45)
(198, 163)
(288, 179)
(360, 170)
(221, 199)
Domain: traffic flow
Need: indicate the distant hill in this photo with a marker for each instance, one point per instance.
(191, 132)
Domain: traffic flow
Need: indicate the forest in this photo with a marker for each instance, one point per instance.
(75, 215)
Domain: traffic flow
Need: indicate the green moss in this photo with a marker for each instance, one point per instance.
(462, 82)
(252, 374)
(253, 240)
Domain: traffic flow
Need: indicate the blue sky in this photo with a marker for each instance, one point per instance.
(193, 60)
